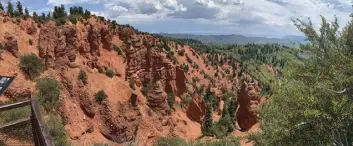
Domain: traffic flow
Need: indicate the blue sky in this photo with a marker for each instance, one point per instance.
(271, 18)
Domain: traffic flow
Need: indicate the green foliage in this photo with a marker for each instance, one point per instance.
(1, 7)
(48, 93)
(100, 144)
(57, 130)
(181, 52)
(232, 108)
(76, 10)
(109, 73)
(87, 14)
(20, 131)
(118, 50)
(315, 100)
(185, 102)
(100, 70)
(146, 88)
(19, 8)
(185, 68)
(83, 77)
(188, 59)
(31, 65)
(59, 21)
(132, 84)
(59, 12)
(26, 13)
(173, 141)
(207, 123)
(171, 100)
(100, 96)
(10, 8)
(30, 42)
(73, 19)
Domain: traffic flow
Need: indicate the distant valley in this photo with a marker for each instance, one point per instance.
(238, 39)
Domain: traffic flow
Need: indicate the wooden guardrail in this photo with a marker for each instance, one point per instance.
(41, 135)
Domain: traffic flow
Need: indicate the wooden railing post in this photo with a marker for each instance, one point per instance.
(42, 133)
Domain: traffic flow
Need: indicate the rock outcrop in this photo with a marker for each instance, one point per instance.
(147, 65)
(11, 45)
(119, 122)
(157, 99)
(196, 109)
(249, 100)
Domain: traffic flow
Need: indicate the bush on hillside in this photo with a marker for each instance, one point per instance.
(181, 52)
(100, 70)
(100, 96)
(146, 88)
(57, 130)
(31, 65)
(132, 84)
(110, 73)
(189, 59)
(83, 77)
(118, 50)
(48, 93)
(171, 100)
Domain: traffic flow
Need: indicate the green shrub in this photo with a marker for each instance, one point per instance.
(186, 68)
(48, 93)
(181, 52)
(20, 131)
(189, 59)
(185, 102)
(171, 100)
(30, 42)
(146, 88)
(60, 22)
(31, 65)
(172, 141)
(110, 73)
(100, 96)
(100, 70)
(73, 20)
(83, 77)
(100, 144)
(118, 50)
(57, 130)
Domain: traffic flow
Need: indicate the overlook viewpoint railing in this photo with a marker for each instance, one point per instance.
(40, 133)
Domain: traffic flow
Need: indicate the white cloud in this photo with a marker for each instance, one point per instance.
(237, 15)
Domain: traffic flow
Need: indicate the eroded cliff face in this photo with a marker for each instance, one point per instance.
(249, 100)
(125, 115)
(147, 65)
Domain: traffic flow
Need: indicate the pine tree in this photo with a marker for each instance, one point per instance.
(35, 17)
(207, 122)
(1, 7)
(87, 14)
(10, 9)
(233, 105)
(26, 13)
(19, 8)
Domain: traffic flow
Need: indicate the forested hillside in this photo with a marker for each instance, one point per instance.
(238, 39)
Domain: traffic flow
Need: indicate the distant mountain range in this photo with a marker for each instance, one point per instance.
(238, 39)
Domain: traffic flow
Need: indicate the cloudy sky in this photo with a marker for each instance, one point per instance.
(271, 18)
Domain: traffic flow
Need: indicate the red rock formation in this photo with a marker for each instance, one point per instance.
(157, 99)
(119, 122)
(11, 45)
(107, 37)
(148, 65)
(249, 100)
(47, 43)
(196, 109)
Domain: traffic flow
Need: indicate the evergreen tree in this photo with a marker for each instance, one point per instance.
(43, 18)
(207, 122)
(313, 105)
(233, 105)
(35, 17)
(10, 9)
(26, 13)
(19, 8)
(49, 15)
(87, 14)
(1, 7)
